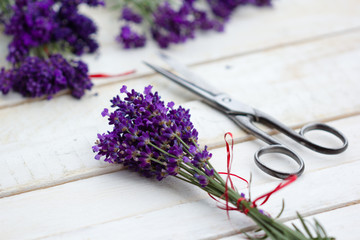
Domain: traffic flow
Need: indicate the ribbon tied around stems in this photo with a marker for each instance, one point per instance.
(228, 181)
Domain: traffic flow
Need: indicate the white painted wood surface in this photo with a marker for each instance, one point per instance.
(299, 61)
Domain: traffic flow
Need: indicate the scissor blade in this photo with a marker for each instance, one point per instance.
(181, 81)
(191, 77)
(222, 102)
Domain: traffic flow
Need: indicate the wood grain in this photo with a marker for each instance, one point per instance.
(298, 61)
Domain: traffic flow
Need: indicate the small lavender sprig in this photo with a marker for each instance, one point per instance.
(36, 24)
(166, 22)
(158, 140)
(172, 22)
(44, 34)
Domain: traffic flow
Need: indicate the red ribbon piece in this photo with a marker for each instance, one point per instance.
(229, 151)
(104, 75)
(286, 182)
(229, 158)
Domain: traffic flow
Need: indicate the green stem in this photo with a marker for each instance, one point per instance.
(182, 142)
(216, 174)
(157, 161)
(161, 150)
(273, 229)
(188, 169)
(187, 147)
(4, 6)
(184, 179)
(190, 179)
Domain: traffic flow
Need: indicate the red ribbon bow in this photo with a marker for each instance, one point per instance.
(228, 180)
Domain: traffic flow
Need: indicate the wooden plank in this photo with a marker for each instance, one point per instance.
(341, 223)
(59, 142)
(287, 23)
(117, 205)
(55, 145)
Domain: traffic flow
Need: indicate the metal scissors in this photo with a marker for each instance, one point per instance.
(245, 116)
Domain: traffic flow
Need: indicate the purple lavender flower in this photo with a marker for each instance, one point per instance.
(130, 39)
(202, 179)
(260, 3)
(203, 22)
(75, 29)
(6, 77)
(152, 139)
(80, 81)
(171, 26)
(36, 77)
(224, 8)
(92, 3)
(129, 15)
(37, 23)
(30, 25)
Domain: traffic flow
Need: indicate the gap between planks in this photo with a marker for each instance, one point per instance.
(67, 92)
(282, 45)
(241, 54)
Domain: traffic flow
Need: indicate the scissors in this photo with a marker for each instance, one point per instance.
(245, 116)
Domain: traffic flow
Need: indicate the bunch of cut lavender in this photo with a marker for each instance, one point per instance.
(43, 33)
(158, 140)
(175, 21)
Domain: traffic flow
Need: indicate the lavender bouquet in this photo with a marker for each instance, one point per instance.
(45, 33)
(158, 140)
(172, 22)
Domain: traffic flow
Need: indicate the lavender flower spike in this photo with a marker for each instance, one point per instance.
(150, 138)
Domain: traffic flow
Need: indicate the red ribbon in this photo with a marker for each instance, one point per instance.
(104, 75)
(229, 158)
(286, 182)
(228, 167)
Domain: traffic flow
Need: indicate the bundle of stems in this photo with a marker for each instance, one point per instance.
(159, 141)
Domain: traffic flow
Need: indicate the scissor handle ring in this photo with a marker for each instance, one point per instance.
(282, 150)
(321, 126)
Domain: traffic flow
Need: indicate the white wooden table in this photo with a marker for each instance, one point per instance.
(299, 62)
